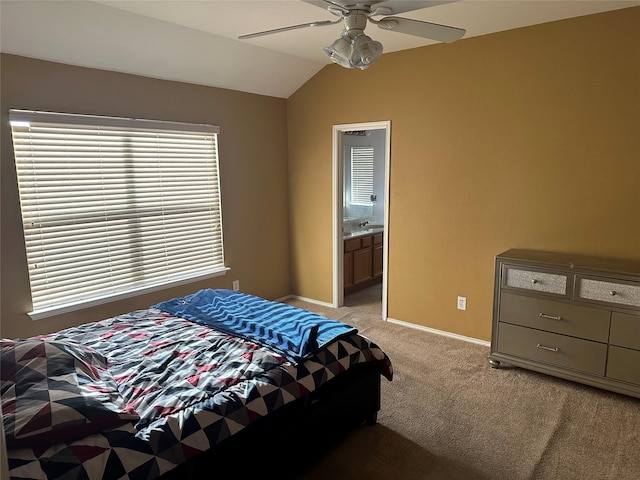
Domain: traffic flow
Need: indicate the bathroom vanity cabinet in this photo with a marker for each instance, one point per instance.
(362, 261)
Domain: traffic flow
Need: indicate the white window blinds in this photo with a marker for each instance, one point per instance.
(112, 206)
(361, 175)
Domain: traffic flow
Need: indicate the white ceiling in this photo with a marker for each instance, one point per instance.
(197, 41)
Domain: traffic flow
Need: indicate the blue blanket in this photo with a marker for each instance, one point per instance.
(293, 332)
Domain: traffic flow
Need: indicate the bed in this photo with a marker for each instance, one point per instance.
(214, 381)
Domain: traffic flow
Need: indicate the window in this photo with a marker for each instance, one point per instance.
(361, 175)
(112, 207)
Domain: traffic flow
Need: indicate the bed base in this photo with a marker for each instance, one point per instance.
(290, 439)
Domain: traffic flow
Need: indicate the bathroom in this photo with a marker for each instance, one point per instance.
(363, 193)
(363, 205)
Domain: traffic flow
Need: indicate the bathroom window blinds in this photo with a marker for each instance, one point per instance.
(361, 175)
(112, 207)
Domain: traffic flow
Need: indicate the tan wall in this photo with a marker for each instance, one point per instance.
(521, 139)
(253, 167)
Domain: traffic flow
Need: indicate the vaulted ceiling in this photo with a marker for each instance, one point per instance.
(197, 41)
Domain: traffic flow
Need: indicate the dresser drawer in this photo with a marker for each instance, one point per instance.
(625, 330)
(608, 291)
(624, 364)
(568, 352)
(536, 281)
(557, 317)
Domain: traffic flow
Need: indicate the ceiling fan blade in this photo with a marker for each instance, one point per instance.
(401, 6)
(433, 31)
(386, 7)
(320, 23)
(329, 5)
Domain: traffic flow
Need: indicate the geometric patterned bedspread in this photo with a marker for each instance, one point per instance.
(190, 387)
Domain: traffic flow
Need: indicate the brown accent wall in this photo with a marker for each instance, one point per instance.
(253, 168)
(521, 139)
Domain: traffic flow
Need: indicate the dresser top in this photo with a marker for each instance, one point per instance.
(572, 261)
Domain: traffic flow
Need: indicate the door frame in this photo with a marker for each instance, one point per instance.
(337, 193)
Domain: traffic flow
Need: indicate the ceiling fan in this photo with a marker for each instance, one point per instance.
(354, 49)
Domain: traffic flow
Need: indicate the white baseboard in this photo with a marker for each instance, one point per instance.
(398, 322)
(440, 332)
(305, 299)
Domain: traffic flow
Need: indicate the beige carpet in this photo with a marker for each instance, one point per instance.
(448, 415)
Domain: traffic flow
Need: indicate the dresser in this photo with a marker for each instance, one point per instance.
(570, 316)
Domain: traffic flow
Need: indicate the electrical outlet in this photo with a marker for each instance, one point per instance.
(236, 285)
(462, 303)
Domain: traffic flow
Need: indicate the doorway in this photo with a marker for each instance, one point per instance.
(339, 142)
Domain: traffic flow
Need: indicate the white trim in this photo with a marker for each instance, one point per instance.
(305, 299)
(337, 180)
(385, 235)
(443, 333)
(337, 186)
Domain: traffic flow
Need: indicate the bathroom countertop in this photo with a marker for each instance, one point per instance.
(365, 231)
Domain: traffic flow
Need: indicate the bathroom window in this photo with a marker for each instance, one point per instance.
(113, 207)
(362, 176)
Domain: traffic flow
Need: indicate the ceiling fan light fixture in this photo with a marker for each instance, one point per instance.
(354, 49)
(366, 51)
(340, 52)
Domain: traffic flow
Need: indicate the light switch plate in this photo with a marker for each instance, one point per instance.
(462, 303)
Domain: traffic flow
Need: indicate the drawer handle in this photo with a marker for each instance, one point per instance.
(550, 317)
(542, 347)
(613, 293)
(534, 281)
